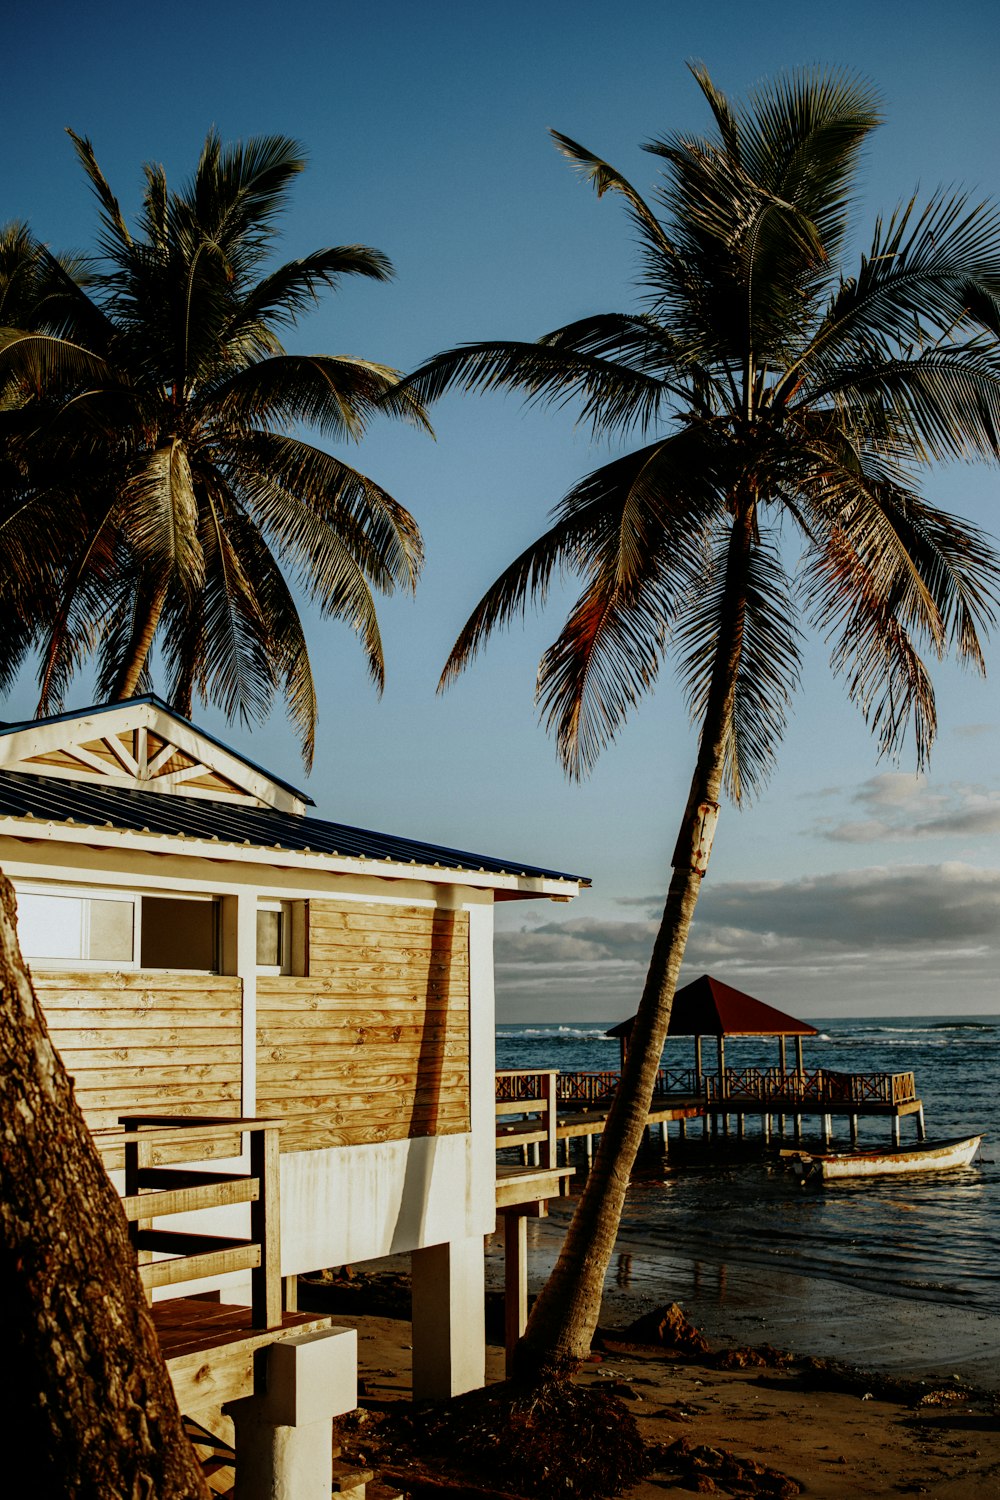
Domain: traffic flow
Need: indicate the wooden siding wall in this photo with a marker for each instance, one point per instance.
(147, 1043)
(374, 1044)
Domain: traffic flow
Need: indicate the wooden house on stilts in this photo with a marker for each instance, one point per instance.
(204, 948)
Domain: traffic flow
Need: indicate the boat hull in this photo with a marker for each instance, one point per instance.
(939, 1156)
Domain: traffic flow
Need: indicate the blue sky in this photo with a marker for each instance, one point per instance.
(850, 887)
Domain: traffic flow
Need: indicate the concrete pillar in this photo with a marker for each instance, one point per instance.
(854, 1130)
(895, 1130)
(921, 1130)
(827, 1129)
(284, 1438)
(449, 1319)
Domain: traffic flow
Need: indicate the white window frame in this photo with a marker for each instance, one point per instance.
(135, 899)
(284, 908)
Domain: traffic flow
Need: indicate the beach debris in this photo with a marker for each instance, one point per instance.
(553, 1439)
(947, 1396)
(669, 1328)
(710, 1471)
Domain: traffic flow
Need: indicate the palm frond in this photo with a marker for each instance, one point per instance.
(334, 394)
(769, 661)
(312, 506)
(613, 395)
(159, 515)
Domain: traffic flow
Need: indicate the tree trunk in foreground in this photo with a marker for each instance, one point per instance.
(88, 1408)
(564, 1317)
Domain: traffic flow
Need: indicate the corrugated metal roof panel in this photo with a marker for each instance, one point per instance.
(57, 801)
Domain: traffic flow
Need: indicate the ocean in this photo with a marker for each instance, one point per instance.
(898, 1272)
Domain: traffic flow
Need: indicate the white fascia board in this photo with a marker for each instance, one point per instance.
(27, 830)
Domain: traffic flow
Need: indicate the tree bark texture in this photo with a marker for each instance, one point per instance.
(566, 1313)
(88, 1409)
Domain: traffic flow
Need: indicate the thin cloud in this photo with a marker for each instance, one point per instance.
(923, 938)
(901, 809)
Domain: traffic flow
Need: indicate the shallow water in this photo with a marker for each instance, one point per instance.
(730, 1233)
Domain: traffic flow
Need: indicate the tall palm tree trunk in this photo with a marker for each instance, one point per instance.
(564, 1317)
(140, 645)
(87, 1399)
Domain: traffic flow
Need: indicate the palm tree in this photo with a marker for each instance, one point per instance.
(776, 398)
(162, 491)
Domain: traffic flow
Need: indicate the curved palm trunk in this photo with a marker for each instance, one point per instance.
(565, 1315)
(139, 646)
(87, 1395)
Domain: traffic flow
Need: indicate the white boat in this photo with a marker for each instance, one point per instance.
(928, 1156)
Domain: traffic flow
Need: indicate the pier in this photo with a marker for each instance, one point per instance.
(557, 1108)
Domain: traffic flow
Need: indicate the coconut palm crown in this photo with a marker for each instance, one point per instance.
(772, 396)
(764, 381)
(163, 493)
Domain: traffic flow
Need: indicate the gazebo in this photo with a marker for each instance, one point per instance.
(708, 1007)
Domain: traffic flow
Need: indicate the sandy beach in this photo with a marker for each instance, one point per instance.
(835, 1445)
(927, 1426)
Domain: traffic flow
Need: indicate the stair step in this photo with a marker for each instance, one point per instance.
(350, 1481)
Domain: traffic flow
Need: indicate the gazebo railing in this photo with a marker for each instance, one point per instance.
(817, 1086)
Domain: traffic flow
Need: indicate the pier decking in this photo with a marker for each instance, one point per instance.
(722, 1100)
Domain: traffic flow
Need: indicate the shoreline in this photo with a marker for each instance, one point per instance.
(785, 1431)
(907, 1336)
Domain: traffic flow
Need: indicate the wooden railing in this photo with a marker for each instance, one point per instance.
(530, 1096)
(817, 1087)
(587, 1089)
(153, 1192)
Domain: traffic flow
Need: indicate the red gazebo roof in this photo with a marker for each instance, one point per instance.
(707, 1007)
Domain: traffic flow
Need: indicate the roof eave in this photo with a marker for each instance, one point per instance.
(506, 885)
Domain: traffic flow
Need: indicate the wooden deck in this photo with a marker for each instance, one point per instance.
(210, 1347)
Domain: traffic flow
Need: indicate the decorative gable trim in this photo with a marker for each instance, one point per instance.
(142, 745)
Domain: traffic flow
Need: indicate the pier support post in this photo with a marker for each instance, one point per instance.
(797, 1127)
(765, 1122)
(515, 1280)
(449, 1319)
(827, 1129)
(921, 1130)
(854, 1130)
(895, 1130)
(284, 1439)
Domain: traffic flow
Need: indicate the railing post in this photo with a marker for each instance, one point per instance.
(133, 1166)
(551, 1120)
(265, 1227)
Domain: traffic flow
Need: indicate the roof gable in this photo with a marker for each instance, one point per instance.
(142, 744)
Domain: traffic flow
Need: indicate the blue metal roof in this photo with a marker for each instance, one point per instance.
(54, 800)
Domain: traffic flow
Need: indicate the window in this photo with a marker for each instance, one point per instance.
(76, 928)
(274, 937)
(179, 933)
(117, 930)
